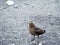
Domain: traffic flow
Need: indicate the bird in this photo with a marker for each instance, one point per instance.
(35, 31)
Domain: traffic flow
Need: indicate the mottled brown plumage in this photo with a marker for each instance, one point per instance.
(35, 30)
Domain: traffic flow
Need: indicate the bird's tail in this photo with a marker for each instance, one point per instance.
(44, 31)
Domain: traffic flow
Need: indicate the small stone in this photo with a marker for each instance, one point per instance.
(26, 3)
(13, 44)
(0, 37)
(15, 6)
(40, 43)
(52, 23)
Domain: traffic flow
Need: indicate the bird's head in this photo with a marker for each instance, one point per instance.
(31, 24)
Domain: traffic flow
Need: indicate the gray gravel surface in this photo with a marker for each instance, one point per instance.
(14, 22)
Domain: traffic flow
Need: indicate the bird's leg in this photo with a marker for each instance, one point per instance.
(34, 36)
(38, 36)
(38, 39)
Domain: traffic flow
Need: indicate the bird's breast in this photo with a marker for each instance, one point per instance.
(32, 31)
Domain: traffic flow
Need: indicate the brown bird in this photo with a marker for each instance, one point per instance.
(35, 31)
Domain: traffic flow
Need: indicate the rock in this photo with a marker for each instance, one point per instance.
(10, 2)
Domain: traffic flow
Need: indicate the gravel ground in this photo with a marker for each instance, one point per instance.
(14, 22)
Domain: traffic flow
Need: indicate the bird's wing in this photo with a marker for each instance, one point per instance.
(38, 30)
